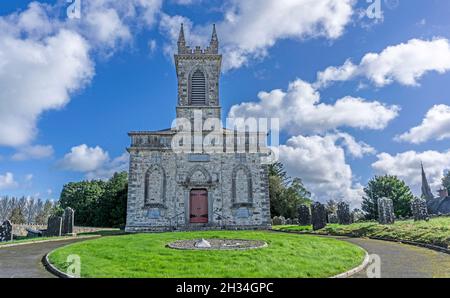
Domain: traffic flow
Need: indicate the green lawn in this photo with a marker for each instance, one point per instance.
(146, 255)
(436, 231)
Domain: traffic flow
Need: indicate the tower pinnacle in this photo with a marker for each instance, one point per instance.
(214, 44)
(181, 41)
(426, 190)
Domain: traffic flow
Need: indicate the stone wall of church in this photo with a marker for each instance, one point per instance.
(237, 186)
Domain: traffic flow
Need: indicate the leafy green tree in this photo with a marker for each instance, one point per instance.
(285, 193)
(446, 181)
(389, 187)
(83, 198)
(112, 206)
(331, 206)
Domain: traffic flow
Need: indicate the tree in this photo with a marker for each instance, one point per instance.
(82, 197)
(17, 216)
(112, 206)
(446, 181)
(285, 193)
(389, 187)
(331, 206)
(44, 213)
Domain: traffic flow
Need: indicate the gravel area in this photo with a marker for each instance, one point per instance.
(218, 244)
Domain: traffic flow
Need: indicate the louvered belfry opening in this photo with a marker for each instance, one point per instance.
(198, 88)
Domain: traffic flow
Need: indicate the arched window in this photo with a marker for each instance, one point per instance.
(242, 189)
(198, 88)
(155, 186)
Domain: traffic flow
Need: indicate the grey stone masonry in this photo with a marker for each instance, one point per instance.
(343, 213)
(304, 215)
(419, 209)
(198, 188)
(386, 214)
(6, 231)
(68, 221)
(54, 226)
(318, 216)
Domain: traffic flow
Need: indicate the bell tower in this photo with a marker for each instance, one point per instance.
(198, 73)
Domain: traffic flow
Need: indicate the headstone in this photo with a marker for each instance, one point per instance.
(333, 218)
(276, 221)
(6, 233)
(318, 216)
(343, 213)
(304, 215)
(289, 221)
(283, 220)
(68, 221)
(419, 209)
(203, 244)
(54, 227)
(295, 221)
(386, 214)
(31, 233)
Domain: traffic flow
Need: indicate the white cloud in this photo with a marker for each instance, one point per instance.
(84, 159)
(321, 164)
(7, 181)
(406, 166)
(300, 110)
(118, 164)
(94, 162)
(249, 28)
(435, 125)
(33, 152)
(44, 58)
(29, 177)
(405, 63)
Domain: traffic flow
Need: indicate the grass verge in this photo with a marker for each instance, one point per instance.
(146, 255)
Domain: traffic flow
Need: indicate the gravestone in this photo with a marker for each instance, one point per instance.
(54, 227)
(68, 221)
(343, 213)
(276, 221)
(318, 216)
(6, 233)
(289, 221)
(419, 209)
(333, 218)
(304, 215)
(386, 214)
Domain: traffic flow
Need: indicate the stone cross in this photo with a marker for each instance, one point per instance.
(54, 226)
(318, 216)
(68, 221)
(343, 213)
(304, 215)
(419, 209)
(386, 214)
(6, 233)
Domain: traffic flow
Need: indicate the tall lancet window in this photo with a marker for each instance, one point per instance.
(198, 88)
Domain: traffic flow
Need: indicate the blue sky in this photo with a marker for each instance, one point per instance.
(120, 77)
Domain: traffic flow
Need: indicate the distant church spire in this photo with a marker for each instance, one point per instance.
(214, 44)
(181, 41)
(426, 190)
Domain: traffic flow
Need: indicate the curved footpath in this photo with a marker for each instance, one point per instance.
(397, 260)
(25, 261)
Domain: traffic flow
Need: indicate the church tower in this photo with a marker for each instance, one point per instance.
(426, 190)
(198, 72)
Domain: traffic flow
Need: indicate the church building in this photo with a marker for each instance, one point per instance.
(199, 188)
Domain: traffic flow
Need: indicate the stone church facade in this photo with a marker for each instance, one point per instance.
(223, 188)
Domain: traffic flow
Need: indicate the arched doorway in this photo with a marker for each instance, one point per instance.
(198, 206)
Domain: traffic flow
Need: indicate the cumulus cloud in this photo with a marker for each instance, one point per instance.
(33, 152)
(249, 28)
(322, 165)
(435, 126)
(300, 110)
(45, 59)
(405, 63)
(406, 166)
(94, 162)
(84, 159)
(7, 181)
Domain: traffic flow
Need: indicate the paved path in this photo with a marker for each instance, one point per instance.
(404, 261)
(25, 261)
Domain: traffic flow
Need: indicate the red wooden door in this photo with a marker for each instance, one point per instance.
(199, 206)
